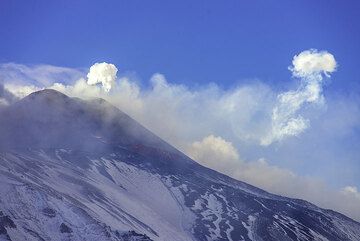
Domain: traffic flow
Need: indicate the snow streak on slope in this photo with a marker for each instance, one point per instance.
(39, 189)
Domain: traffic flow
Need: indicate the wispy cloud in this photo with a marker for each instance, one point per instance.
(41, 75)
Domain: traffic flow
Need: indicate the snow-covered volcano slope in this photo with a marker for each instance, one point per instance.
(76, 170)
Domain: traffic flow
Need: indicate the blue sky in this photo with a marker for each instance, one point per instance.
(244, 48)
(188, 41)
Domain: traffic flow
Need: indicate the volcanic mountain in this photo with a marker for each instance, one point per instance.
(72, 169)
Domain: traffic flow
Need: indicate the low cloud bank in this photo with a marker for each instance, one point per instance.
(219, 154)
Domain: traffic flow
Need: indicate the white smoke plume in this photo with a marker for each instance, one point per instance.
(312, 63)
(309, 66)
(250, 112)
(102, 73)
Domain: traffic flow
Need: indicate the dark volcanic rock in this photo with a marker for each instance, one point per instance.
(65, 229)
